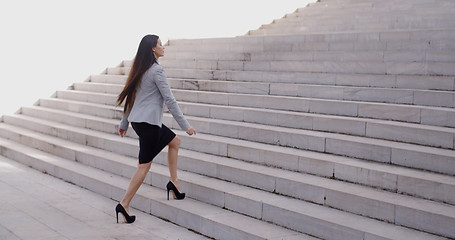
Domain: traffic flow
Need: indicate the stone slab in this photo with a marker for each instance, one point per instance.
(49, 208)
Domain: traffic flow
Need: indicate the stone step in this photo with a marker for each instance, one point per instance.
(396, 153)
(363, 94)
(110, 88)
(284, 185)
(348, 3)
(314, 25)
(100, 98)
(204, 218)
(316, 56)
(352, 27)
(388, 9)
(369, 3)
(393, 178)
(93, 109)
(377, 21)
(362, 17)
(391, 7)
(368, 18)
(341, 25)
(433, 116)
(322, 29)
(335, 79)
(295, 43)
(375, 38)
(389, 12)
(362, 67)
(411, 133)
(108, 79)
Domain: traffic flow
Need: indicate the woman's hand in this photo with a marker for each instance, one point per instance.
(190, 131)
(122, 132)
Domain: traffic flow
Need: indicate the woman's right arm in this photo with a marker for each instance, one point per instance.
(169, 99)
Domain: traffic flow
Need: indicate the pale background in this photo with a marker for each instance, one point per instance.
(47, 45)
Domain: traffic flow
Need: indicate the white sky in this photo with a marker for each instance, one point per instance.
(47, 45)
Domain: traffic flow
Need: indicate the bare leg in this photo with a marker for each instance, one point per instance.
(136, 180)
(172, 156)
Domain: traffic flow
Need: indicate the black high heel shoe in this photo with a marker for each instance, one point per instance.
(177, 195)
(128, 218)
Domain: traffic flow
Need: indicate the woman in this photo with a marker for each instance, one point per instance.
(145, 93)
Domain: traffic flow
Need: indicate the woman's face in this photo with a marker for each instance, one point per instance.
(158, 50)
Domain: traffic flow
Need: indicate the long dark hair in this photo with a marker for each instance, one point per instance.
(142, 62)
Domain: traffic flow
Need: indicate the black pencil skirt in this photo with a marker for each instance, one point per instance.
(152, 139)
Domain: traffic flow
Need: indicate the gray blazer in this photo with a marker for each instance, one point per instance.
(152, 93)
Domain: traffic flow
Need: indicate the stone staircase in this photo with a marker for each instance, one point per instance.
(364, 15)
(338, 131)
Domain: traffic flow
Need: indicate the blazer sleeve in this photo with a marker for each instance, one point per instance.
(168, 97)
(124, 122)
